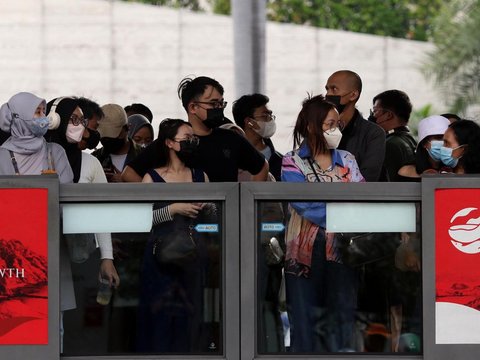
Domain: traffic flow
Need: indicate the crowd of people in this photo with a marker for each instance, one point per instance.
(333, 142)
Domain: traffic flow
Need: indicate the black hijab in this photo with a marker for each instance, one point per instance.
(65, 109)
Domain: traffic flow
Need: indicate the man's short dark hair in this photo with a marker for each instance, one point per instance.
(397, 102)
(138, 108)
(245, 107)
(90, 108)
(192, 88)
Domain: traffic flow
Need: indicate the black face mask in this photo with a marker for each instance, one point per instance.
(335, 99)
(187, 151)
(93, 140)
(112, 145)
(214, 118)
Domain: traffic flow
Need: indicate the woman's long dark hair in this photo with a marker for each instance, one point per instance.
(168, 130)
(309, 125)
(422, 158)
(467, 132)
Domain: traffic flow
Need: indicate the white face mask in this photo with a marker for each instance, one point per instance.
(333, 138)
(74, 133)
(267, 129)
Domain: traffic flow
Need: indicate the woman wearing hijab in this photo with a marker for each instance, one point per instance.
(26, 152)
(71, 134)
(140, 130)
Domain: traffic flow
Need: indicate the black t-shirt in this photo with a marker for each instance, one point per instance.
(399, 151)
(220, 154)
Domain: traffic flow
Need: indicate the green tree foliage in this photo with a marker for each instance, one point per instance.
(189, 4)
(221, 6)
(397, 18)
(454, 64)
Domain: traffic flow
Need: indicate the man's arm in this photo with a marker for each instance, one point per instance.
(263, 174)
(138, 166)
(130, 175)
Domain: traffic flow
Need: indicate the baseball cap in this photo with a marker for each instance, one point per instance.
(114, 120)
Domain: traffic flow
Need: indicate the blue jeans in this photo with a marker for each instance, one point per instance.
(321, 308)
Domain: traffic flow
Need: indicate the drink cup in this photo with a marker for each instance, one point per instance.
(104, 292)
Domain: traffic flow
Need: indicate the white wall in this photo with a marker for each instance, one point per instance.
(115, 51)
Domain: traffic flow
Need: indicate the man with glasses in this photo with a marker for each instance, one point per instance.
(391, 111)
(221, 153)
(251, 113)
(362, 138)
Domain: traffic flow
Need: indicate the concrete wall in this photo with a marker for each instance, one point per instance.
(114, 51)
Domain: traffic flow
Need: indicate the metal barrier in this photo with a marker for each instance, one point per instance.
(238, 300)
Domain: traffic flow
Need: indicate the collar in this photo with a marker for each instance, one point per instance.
(304, 153)
(349, 131)
(399, 129)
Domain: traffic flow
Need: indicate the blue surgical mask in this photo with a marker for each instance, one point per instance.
(434, 151)
(447, 158)
(38, 126)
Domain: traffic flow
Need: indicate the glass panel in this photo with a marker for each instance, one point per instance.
(336, 292)
(101, 218)
(373, 217)
(168, 302)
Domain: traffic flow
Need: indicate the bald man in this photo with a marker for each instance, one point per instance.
(364, 139)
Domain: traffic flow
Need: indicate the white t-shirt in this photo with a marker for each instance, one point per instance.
(92, 172)
(118, 160)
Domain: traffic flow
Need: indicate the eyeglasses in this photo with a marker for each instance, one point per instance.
(375, 110)
(77, 120)
(193, 139)
(214, 104)
(332, 125)
(268, 117)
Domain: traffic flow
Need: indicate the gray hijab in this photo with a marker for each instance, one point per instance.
(136, 122)
(21, 107)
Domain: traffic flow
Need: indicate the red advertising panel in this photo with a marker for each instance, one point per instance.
(23, 266)
(457, 258)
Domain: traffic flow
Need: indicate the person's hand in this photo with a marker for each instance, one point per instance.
(412, 261)
(116, 177)
(113, 174)
(186, 209)
(108, 271)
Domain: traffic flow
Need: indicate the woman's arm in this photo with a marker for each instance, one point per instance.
(315, 212)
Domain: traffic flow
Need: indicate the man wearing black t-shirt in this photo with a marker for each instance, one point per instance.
(221, 153)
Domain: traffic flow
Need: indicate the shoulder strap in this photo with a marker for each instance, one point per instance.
(51, 162)
(14, 162)
(198, 175)
(155, 176)
(313, 169)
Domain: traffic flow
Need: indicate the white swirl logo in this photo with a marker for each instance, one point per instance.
(466, 235)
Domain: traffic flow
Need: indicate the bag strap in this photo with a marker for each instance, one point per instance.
(14, 162)
(313, 169)
(51, 162)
